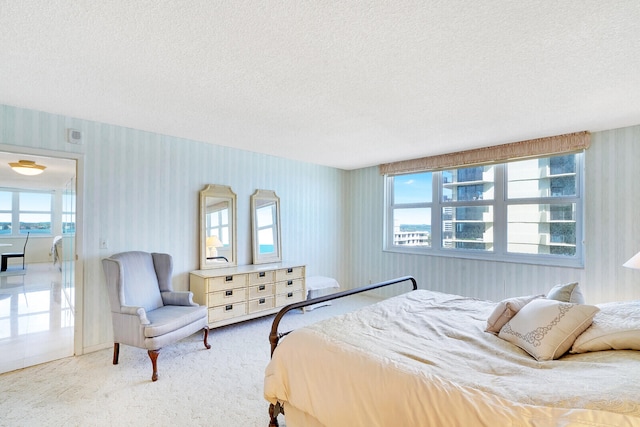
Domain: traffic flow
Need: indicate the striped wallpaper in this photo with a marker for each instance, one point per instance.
(139, 190)
(612, 235)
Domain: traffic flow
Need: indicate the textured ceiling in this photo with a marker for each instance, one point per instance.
(347, 84)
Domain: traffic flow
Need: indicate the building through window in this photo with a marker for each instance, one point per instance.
(526, 211)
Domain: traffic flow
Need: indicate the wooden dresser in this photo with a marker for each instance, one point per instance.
(248, 291)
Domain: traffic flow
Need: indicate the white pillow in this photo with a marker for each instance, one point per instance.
(568, 292)
(616, 326)
(505, 310)
(546, 329)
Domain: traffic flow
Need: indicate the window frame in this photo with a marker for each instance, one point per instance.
(500, 203)
(17, 211)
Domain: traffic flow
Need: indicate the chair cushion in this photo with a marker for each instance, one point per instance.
(141, 283)
(172, 317)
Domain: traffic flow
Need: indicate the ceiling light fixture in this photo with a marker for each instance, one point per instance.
(27, 167)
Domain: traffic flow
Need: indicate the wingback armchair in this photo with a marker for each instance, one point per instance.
(145, 310)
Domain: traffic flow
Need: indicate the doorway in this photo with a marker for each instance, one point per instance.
(37, 291)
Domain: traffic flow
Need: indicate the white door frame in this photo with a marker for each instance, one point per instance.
(78, 321)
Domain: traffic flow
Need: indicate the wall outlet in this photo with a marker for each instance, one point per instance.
(104, 244)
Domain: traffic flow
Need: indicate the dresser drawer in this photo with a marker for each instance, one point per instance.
(288, 273)
(288, 286)
(228, 296)
(246, 292)
(261, 277)
(261, 291)
(260, 304)
(289, 298)
(226, 282)
(227, 311)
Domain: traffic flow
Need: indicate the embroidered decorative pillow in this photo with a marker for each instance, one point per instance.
(569, 292)
(505, 310)
(546, 328)
(616, 326)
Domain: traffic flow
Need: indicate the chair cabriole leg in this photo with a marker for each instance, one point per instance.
(206, 337)
(153, 355)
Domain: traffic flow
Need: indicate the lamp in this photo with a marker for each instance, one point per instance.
(633, 262)
(213, 242)
(27, 167)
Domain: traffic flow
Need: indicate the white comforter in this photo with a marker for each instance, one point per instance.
(423, 359)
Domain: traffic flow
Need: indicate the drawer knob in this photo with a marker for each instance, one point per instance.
(262, 287)
(290, 294)
(228, 307)
(261, 301)
(228, 278)
(262, 274)
(289, 270)
(228, 293)
(289, 282)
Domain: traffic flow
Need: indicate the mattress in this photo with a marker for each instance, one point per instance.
(423, 359)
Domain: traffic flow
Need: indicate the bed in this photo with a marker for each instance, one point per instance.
(425, 358)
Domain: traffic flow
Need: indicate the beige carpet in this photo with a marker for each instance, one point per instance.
(218, 387)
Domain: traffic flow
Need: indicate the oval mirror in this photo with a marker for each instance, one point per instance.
(265, 224)
(218, 243)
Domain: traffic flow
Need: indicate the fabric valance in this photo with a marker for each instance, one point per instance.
(540, 147)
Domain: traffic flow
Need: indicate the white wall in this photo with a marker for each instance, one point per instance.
(612, 234)
(141, 192)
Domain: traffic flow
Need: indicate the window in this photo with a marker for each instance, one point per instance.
(522, 211)
(23, 212)
(35, 212)
(411, 216)
(68, 213)
(6, 212)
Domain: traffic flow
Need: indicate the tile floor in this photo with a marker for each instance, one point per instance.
(36, 319)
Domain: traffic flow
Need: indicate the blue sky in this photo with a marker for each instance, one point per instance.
(34, 202)
(413, 188)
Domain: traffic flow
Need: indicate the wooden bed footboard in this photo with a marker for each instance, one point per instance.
(274, 336)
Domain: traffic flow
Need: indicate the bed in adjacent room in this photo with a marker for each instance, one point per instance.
(433, 359)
